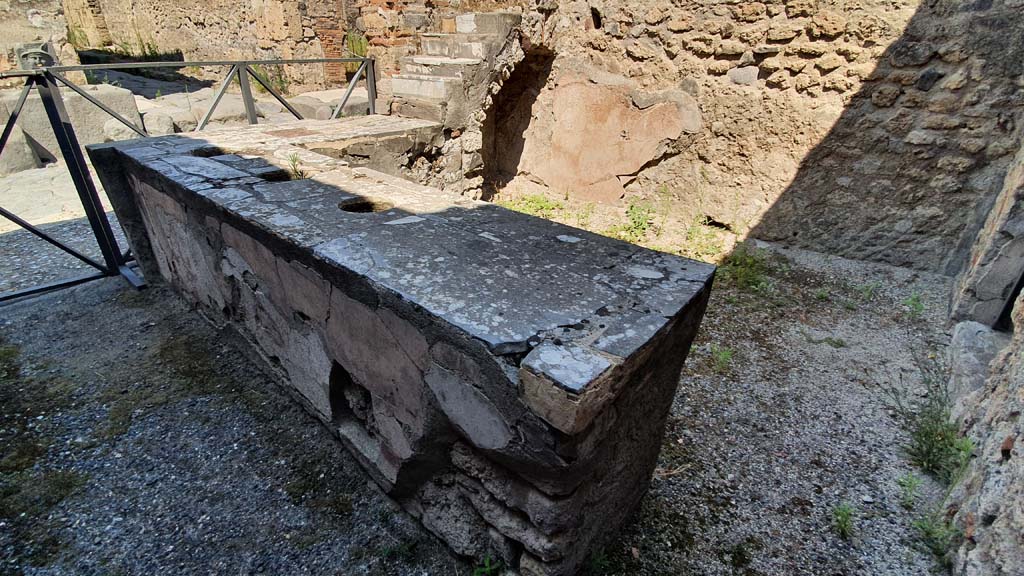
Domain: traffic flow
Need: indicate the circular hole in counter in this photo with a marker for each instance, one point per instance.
(365, 205)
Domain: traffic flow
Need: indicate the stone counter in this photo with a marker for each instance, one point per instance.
(505, 378)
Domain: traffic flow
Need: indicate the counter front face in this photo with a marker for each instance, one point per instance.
(504, 377)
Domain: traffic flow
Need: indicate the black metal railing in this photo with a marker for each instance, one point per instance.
(46, 81)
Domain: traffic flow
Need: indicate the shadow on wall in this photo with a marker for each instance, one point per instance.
(914, 164)
(509, 117)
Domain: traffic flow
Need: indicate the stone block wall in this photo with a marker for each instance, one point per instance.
(984, 290)
(870, 129)
(220, 30)
(520, 421)
(87, 23)
(988, 504)
(87, 118)
(33, 21)
(390, 27)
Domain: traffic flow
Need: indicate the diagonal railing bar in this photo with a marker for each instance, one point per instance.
(50, 287)
(46, 82)
(220, 94)
(140, 131)
(13, 118)
(74, 159)
(348, 92)
(278, 97)
(27, 226)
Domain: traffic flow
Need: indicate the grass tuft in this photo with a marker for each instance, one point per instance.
(746, 268)
(935, 443)
(487, 567)
(295, 167)
(721, 357)
(639, 221)
(915, 307)
(533, 204)
(937, 535)
(909, 485)
(843, 517)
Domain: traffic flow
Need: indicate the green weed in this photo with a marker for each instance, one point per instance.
(868, 291)
(909, 484)
(533, 204)
(835, 342)
(487, 568)
(746, 268)
(639, 220)
(273, 76)
(843, 518)
(702, 241)
(830, 340)
(77, 38)
(295, 167)
(583, 216)
(599, 563)
(936, 534)
(935, 442)
(404, 551)
(721, 357)
(358, 47)
(915, 307)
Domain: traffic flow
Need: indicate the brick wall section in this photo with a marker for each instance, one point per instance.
(332, 41)
(390, 27)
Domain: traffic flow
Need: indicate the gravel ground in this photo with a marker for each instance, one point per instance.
(151, 445)
(47, 199)
(29, 261)
(762, 448)
(136, 439)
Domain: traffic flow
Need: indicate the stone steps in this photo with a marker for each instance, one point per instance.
(424, 87)
(430, 85)
(456, 45)
(432, 110)
(438, 66)
(493, 23)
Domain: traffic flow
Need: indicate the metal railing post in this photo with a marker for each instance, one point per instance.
(247, 101)
(141, 131)
(274, 93)
(75, 161)
(371, 84)
(46, 82)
